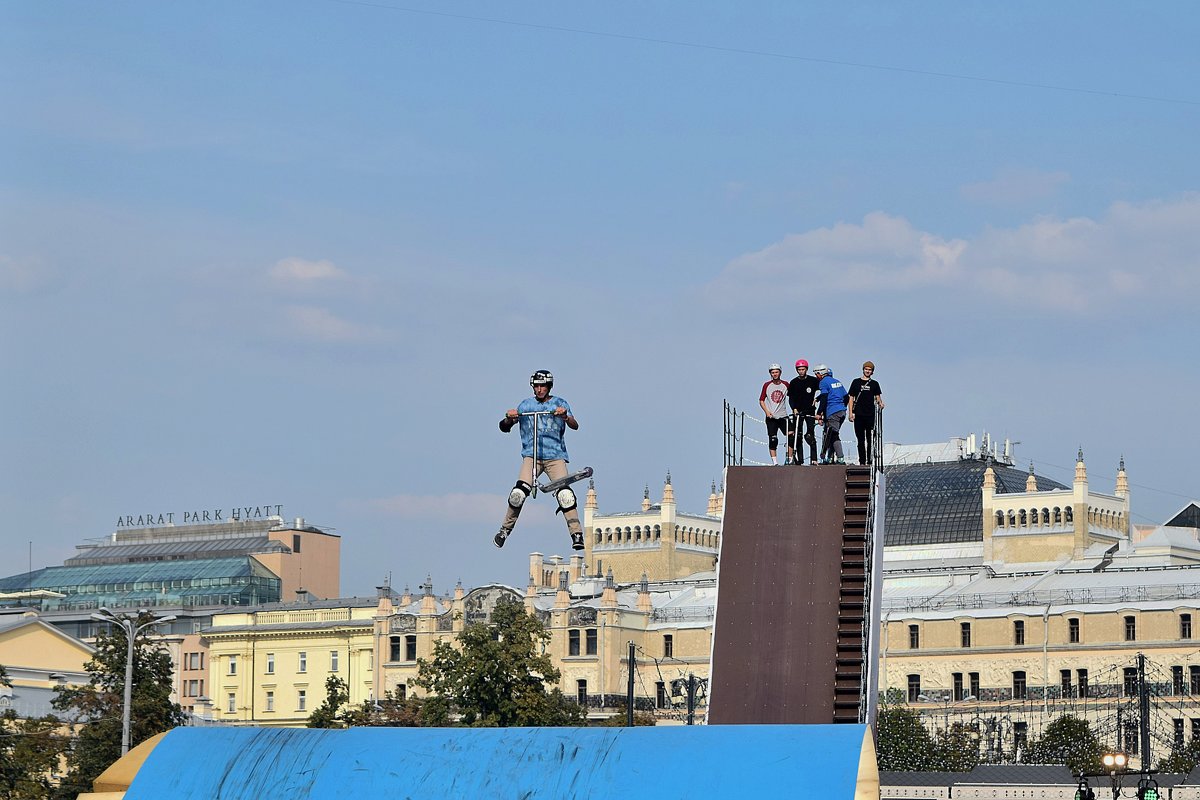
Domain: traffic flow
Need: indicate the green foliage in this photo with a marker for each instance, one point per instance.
(1067, 740)
(30, 750)
(956, 749)
(902, 741)
(327, 715)
(98, 704)
(495, 675)
(390, 711)
(1181, 759)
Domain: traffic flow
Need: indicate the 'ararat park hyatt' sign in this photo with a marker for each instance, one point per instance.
(236, 514)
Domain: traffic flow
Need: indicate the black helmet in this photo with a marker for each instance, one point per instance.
(543, 377)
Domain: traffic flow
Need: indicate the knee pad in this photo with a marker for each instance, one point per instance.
(516, 498)
(773, 442)
(566, 499)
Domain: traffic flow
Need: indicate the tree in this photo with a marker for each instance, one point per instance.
(30, 752)
(1067, 740)
(389, 711)
(328, 714)
(956, 749)
(98, 704)
(496, 676)
(1182, 759)
(902, 741)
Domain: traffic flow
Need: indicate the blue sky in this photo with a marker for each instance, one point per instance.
(308, 253)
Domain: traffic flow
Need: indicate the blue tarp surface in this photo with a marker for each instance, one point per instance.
(735, 761)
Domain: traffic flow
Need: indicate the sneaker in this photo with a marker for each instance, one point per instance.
(499, 538)
(813, 462)
(577, 540)
(840, 461)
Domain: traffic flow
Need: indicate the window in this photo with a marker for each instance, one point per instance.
(1185, 626)
(1196, 727)
(232, 665)
(1073, 630)
(1194, 680)
(295, 543)
(402, 691)
(270, 663)
(410, 647)
(591, 642)
(1131, 737)
(1020, 735)
(194, 661)
(231, 703)
(302, 666)
(270, 701)
(581, 691)
(914, 688)
(964, 630)
(956, 682)
(914, 637)
(668, 645)
(973, 677)
(1020, 691)
(1019, 631)
(1131, 685)
(1131, 629)
(572, 642)
(660, 695)
(301, 700)
(333, 660)
(1065, 677)
(1178, 732)
(1176, 680)
(394, 648)
(193, 688)
(1081, 677)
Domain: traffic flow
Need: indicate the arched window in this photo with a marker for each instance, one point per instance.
(1045, 516)
(1057, 515)
(1023, 518)
(1068, 515)
(1012, 519)
(999, 519)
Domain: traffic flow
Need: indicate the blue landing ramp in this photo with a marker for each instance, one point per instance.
(735, 761)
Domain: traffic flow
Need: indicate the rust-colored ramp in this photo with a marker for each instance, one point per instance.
(788, 641)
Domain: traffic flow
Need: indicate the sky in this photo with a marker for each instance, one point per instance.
(307, 253)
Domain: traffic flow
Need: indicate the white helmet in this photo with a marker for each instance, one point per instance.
(774, 367)
(821, 370)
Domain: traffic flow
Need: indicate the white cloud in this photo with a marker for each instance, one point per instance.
(1015, 186)
(319, 324)
(302, 271)
(1146, 252)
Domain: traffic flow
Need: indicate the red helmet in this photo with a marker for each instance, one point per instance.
(801, 363)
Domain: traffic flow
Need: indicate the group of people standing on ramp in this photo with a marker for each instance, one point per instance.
(794, 408)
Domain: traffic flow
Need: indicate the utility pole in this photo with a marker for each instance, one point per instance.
(1144, 710)
(629, 689)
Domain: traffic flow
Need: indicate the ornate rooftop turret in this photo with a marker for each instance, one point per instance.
(668, 492)
(1122, 480)
(1031, 481)
(714, 504)
(646, 498)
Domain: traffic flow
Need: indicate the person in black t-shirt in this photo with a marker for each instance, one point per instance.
(802, 395)
(864, 396)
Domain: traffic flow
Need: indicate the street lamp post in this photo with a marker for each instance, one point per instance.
(131, 627)
(1115, 764)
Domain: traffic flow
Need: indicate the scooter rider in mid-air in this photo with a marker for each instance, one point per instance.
(543, 419)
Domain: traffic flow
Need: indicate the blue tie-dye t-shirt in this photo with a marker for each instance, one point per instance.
(550, 428)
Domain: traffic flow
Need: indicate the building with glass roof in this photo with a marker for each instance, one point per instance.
(187, 571)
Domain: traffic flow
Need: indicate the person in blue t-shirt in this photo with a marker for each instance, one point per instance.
(543, 420)
(831, 412)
